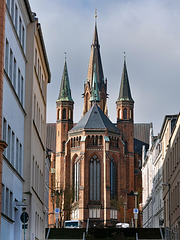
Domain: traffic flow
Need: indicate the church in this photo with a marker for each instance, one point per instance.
(95, 164)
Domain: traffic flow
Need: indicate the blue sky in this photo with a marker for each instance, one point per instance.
(147, 30)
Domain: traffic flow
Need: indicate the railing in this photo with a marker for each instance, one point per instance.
(137, 236)
(172, 234)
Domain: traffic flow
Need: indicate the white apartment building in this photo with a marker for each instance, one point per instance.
(16, 22)
(152, 184)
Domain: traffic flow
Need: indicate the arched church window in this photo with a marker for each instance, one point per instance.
(125, 113)
(130, 114)
(69, 114)
(95, 179)
(113, 180)
(119, 114)
(126, 147)
(58, 114)
(64, 114)
(63, 146)
(76, 179)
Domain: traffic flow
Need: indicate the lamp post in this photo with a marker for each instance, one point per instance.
(168, 185)
(136, 203)
(124, 211)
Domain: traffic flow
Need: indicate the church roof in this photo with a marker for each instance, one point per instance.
(95, 59)
(125, 92)
(95, 119)
(51, 136)
(65, 91)
(141, 136)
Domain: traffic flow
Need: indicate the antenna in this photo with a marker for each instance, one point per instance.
(95, 15)
(124, 56)
(65, 53)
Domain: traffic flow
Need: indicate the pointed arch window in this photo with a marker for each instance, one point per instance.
(63, 146)
(126, 147)
(125, 113)
(113, 179)
(95, 179)
(64, 114)
(76, 179)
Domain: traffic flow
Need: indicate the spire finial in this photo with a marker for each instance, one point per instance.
(95, 15)
(124, 56)
(65, 54)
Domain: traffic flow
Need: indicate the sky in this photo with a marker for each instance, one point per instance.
(147, 30)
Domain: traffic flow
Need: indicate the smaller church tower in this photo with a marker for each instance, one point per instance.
(64, 106)
(125, 123)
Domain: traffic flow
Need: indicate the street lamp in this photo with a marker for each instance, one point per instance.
(168, 185)
(135, 214)
(124, 211)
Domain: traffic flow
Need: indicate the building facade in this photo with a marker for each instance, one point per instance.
(35, 158)
(153, 207)
(25, 77)
(95, 161)
(18, 17)
(3, 144)
(170, 135)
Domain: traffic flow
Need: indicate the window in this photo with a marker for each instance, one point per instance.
(16, 16)
(125, 113)
(12, 10)
(125, 146)
(38, 68)
(17, 154)
(63, 146)
(23, 37)
(58, 114)
(95, 178)
(11, 65)
(14, 74)
(22, 85)
(64, 114)
(4, 129)
(36, 59)
(20, 159)
(34, 107)
(10, 205)
(19, 82)
(7, 202)
(20, 26)
(76, 179)
(9, 144)
(3, 195)
(69, 114)
(113, 181)
(8, 4)
(94, 212)
(6, 56)
(113, 214)
(12, 148)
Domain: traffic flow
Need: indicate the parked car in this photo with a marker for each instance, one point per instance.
(122, 225)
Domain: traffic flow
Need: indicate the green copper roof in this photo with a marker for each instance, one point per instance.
(94, 89)
(125, 92)
(65, 91)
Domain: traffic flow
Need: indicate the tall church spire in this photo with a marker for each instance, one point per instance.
(125, 92)
(95, 60)
(65, 91)
(95, 92)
